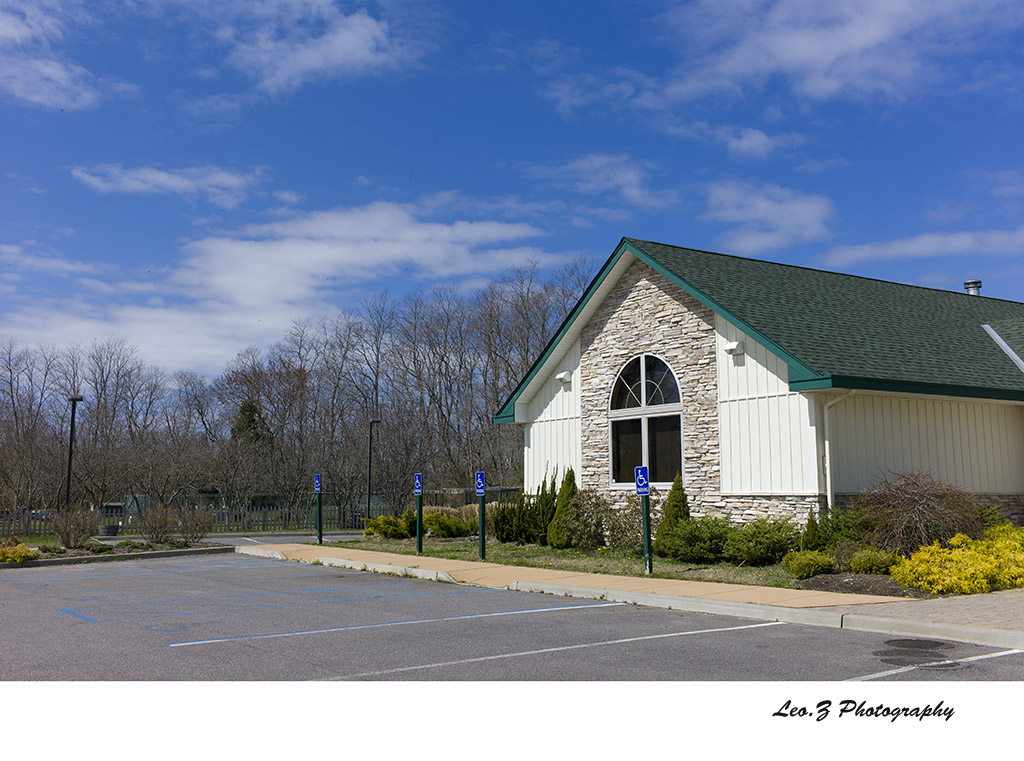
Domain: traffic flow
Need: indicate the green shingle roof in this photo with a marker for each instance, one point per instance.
(859, 332)
(836, 330)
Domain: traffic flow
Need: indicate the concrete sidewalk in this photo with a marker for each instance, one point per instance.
(995, 619)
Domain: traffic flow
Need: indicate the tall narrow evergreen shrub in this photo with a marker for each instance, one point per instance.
(676, 511)
(558, 530)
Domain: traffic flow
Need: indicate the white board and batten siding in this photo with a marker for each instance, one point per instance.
(977, 445)
(552, 435)
(768, 435)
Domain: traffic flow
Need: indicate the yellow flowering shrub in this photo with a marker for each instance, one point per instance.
(966, 566)
(19, 553)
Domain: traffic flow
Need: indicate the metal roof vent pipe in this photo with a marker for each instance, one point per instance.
(973, 287)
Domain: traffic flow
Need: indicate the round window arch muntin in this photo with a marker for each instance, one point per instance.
(643, 412)
(644, 409)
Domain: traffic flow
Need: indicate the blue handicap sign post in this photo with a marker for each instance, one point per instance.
(417, 489)
(319, 510)
(643, 489)
(481, 516)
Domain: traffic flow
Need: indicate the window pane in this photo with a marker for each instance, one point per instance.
(661, 387)
(626, 392)
(626, 449)
(664, 447)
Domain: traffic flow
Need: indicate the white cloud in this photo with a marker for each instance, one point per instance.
(16, 260)
(823, 50)
(932, 245)
(753, 143)
(30, 71)
(222, 187)
(616, 173)
(769, 217)
(284, 44)
(246, 287)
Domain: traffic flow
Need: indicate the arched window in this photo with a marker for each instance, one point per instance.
(646, 421)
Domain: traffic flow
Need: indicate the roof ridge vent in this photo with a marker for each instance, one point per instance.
(973, 287)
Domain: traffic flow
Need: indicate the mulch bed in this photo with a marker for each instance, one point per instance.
(862, 583)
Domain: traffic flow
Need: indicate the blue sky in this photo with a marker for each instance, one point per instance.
(194, 176)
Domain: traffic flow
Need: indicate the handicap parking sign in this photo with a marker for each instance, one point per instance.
(417, 484)
(479, 483)
(643, 485)
(316, 483)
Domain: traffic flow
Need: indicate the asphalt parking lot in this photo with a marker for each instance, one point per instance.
(234, 617)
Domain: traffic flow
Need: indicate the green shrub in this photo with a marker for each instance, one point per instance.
(701, 540)
(870, 560)
(965, 565)
(807, 563)
(387, 526)
(19, 553)
(676, 510)
(763, 541)
(50, 548)
(99, 548)
(504, 520)
(526, 520)
(409, 519)
(913, 510)
(448, 526)
(567, 490)
(813, 537)
(580, 522)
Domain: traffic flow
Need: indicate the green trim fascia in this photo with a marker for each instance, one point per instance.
(905, 387)
(798, 371)
(507, 413)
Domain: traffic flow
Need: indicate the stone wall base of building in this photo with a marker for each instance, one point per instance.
(1010, 506)
(746, 508)
(749, 507)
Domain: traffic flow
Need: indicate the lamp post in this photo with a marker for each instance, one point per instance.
(369, 467)
(74, 399)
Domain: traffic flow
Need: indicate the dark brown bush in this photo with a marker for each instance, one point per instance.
(912, 510)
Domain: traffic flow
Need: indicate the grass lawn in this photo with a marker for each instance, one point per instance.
(35, 541)
(602, 560)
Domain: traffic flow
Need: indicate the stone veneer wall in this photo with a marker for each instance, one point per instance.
(644, 312)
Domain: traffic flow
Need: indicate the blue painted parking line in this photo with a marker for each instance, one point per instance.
(357, 627)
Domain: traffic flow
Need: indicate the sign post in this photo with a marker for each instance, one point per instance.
(319, 510)
(643, 490)
(417, 489)
(481, 515)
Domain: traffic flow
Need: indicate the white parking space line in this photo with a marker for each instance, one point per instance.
(904, 669)
(544, 651)
(394, 623)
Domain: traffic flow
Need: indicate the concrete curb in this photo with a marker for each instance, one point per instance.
(355, 565)
(974, 635)
(114, 557)
(394, 570)
(827, 618)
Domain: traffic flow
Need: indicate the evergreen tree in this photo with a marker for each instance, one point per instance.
(676, 511)
(558, 533)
